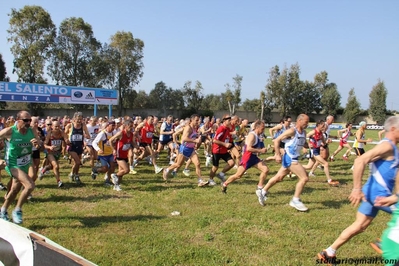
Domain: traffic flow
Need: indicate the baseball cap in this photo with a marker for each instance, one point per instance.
(111, 123)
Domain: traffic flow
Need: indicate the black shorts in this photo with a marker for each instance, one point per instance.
(359, 151)
(76, 148)
(36, 154)
(217, 156)
(165, 142)
(122, 159)
(143, 144)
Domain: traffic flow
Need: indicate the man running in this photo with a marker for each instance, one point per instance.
(20, 139)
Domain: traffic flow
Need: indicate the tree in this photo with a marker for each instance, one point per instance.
(378, 102)
(164, 98)
(352, 109)
(32, 34)
(142, 100)
(275, 89)
(234, 96)
(330, 96)
(3, 77)
(331, 99)
(73, 54)
(193, 96)
(124, 57)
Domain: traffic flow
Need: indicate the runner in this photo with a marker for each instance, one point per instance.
(20, 139)
(250, 157)
(384, 163)
(290, 162)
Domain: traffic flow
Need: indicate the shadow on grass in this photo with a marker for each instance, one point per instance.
(93, 198)
(94, 221)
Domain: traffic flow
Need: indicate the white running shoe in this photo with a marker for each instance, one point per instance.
(117, 188)
(261, 198)
(298, 205)
(158, 169)
(202, 183)
(186, 172)
(212, 182)
(115, 179)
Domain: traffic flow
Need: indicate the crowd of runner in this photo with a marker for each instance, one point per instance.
(117, 146)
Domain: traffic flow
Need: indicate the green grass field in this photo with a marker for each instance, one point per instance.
(135, 226)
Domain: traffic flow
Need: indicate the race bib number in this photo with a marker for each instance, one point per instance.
(24, 160)
(149, 135)
(126, 147)
(77, 137)
(227, 140)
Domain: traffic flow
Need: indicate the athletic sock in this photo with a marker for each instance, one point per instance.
(330, 251)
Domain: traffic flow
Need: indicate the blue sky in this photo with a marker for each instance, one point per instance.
(211, 41)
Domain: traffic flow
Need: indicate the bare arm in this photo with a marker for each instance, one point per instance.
(6, 133)
(273, 129)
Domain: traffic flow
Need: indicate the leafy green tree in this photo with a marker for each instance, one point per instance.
(352, 108)
(164, 98)
(32, 33)
(306, 99)
(3, 77)
(276, 89)
(213, 102)
(233, 94)
(331, 99)
(124, 57)
(73, 54)
(193, 96)
(141, 100)
(378, 102)
(129, 99)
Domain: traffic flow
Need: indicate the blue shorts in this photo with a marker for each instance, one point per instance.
(187, 152)
(316, 151)
(366, 207)
(253, 160)
(287, 160)
(106, 160)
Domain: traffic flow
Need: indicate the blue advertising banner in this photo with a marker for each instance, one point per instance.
(46, 93)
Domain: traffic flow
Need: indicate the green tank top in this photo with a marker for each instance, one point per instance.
(18, 149)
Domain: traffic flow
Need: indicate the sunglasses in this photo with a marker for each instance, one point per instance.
(26, 120)
(49, 124)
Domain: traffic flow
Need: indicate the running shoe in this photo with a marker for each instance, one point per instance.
(60, 184)
(327, 260)
(2, 187)
(115, 179)
(212, 182)
(376, 245)
(261, 198)
(4, 216)
(224, 189)
(298, 205)
(77, 180)
(94, 173)
(186, 172)
(202, 183)
(158, 169)
(345, 158)
(117, 188)
(17, 217)
(333, 183)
